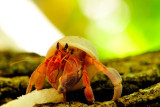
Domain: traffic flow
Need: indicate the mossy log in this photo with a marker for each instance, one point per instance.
(11, 88)
(19, 69)
(138, 73)
(148, 96)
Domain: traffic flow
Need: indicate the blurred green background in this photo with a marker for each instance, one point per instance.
(117, 28)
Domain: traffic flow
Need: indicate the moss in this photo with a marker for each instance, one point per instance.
(140, 75)
(23, 68)
(142, 97)
(10, 88)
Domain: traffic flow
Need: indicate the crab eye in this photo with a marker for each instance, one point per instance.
(66, 46)
(57, 46)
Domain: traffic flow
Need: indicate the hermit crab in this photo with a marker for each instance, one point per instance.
(70, 64)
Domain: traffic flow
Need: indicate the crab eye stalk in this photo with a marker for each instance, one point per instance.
(57, 46)
(66, 46)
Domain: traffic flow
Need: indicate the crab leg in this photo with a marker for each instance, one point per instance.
(37, 78)
(51, 67)
(111, 73)
(88, 90)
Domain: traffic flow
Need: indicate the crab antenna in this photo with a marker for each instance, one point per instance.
(26, 60)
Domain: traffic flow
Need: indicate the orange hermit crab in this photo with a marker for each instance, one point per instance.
(73, 61)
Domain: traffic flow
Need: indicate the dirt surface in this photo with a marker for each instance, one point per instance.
(140, 75)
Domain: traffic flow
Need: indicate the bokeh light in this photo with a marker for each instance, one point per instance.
(117, 28)
(23, 22)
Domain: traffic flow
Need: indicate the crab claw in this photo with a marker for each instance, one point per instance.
(37, 78)
(111, 73)
(61, 90)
